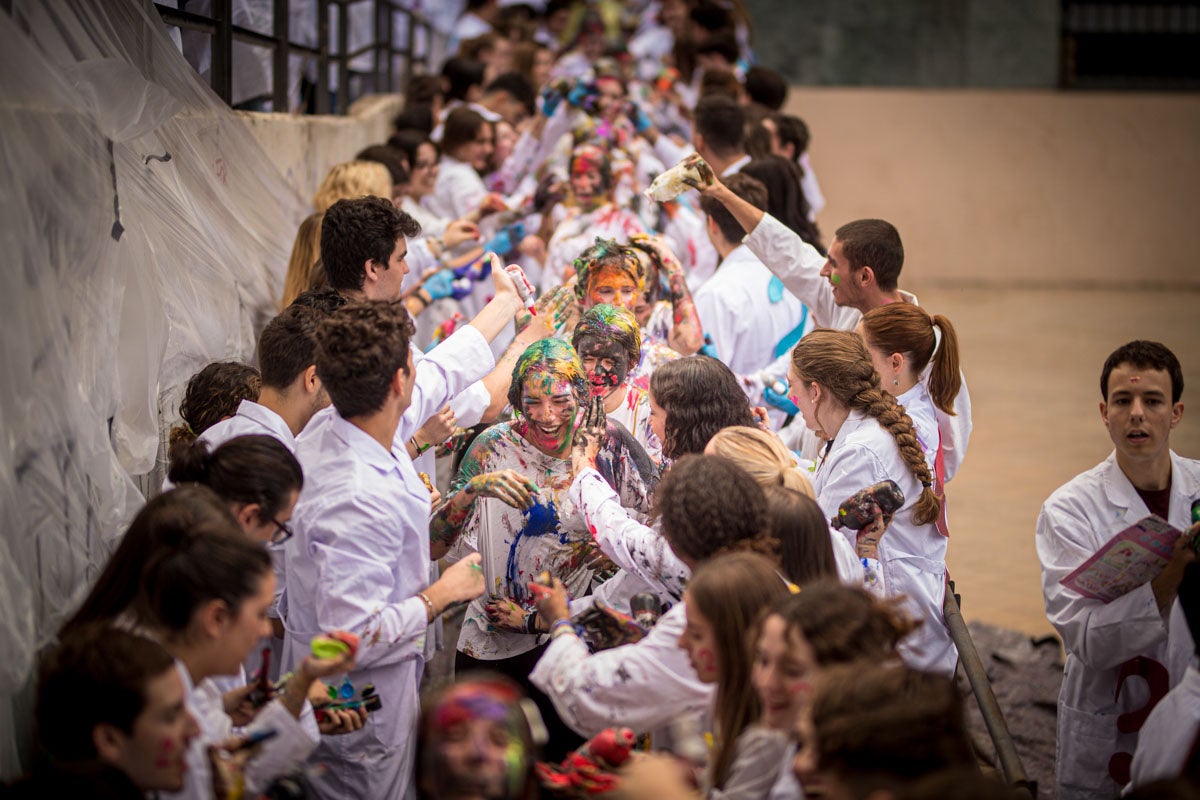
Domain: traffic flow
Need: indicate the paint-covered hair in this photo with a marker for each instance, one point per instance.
(593, 157)
(476, 696)
(610, 323)
(607, 254)
(548, 355)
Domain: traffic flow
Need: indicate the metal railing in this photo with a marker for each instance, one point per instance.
(1129, 44)
(989, 707)
(418, 51)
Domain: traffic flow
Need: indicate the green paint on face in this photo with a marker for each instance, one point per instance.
(835, 279)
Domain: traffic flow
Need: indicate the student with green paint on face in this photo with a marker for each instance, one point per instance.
(509, 503)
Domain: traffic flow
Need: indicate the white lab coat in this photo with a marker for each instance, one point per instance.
(1101, 638)
(1166, 740)
(357, 561)
(736, 309)
(798, 264)
(913, 557)
(645, 685)
(279, 756)
(459, 189)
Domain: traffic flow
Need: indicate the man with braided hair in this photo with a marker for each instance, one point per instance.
(870, 439)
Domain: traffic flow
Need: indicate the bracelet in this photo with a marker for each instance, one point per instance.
(428, 605)
(531, 622)
(561, 625)
(424, 296)
(420, 448)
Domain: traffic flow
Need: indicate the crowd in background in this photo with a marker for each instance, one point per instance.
(569, 360)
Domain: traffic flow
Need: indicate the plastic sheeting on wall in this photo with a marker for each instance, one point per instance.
(144, 233)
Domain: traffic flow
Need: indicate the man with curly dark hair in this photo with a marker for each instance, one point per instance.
(361, 555)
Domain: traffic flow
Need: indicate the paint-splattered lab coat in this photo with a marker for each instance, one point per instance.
(517, 545)
(1119, 660)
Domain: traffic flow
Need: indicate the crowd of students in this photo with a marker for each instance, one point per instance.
(505, 382)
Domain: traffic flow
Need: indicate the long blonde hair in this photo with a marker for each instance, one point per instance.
(762, 455)
(353, 179)
(306, 251)
(838, 362)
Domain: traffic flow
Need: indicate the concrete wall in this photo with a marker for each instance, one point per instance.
(304, 147)
(1018, 188)
(1013, 43)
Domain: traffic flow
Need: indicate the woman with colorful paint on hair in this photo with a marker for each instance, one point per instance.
(608, 272)
(609, 342)
(476, 742)
(510, 501)
(691, 399)
(869, 439)
(665, 310)
(588, 212)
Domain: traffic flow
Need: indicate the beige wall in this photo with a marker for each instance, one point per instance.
(304, 147)
(1024, 188)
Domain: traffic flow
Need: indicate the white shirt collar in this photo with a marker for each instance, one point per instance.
(736, 166)
(268, 419)
(363, 445)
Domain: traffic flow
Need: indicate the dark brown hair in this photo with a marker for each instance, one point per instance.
(358, 230)
(744, 186)
(798, 524)
(359, 348)
(246, 469)
(873, 243)
(212, 394)
(700, 396)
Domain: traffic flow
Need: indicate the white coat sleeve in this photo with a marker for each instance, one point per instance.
(856, 468)
(632, 546)
(1101, 635)
(442, 374)
(644, 685)
(354, 587)
(798, 264)
(721, 320)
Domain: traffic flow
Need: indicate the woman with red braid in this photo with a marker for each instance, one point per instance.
(869, 439)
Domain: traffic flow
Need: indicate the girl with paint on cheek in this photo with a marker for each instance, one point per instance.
(826, 624)
(724, 598)
(609, 342)
(510, 501)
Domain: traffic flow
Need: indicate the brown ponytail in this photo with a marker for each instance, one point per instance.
(907, 329)
(838, 361)
(946, 378)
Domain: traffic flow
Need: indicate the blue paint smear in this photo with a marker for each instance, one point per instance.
(541, 519)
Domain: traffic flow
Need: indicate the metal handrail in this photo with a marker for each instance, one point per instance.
(989, 707)
(219, 26)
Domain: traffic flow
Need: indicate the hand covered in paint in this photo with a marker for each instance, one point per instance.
(556, 310)
(507, 486)
(760, 415)
(313, 668)
(694, 165)
(591, 431)
(504, 614)
(867, 539)
(458, 232)
(552, 600)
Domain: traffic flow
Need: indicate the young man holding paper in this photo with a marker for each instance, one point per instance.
(1122, 655)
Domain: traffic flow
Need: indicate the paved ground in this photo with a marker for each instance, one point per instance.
(1032, 359)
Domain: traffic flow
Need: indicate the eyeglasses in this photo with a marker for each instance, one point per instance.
(424, 165)
(282, 532)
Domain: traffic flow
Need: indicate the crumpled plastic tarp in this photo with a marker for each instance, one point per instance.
(143, 232)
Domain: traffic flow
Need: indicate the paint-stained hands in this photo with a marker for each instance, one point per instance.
(761, 417)
(708, 178)
(557, 310)
(867, 539)
(505, 615)
(506, 485)
(552, 601)
(591, 432)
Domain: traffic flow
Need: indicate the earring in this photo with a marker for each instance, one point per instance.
(895, 381)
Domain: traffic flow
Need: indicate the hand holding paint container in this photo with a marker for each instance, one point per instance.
(334, 645)
(691, 173)
(517, 275)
